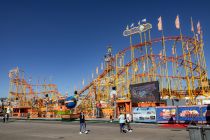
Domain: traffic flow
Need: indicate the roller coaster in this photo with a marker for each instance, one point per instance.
(176, 62)
(23, 95)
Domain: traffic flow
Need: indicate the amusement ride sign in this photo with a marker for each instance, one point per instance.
(139, 29)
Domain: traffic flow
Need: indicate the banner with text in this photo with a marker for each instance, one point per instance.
(166, 114)
(147, 114)
(189, 113)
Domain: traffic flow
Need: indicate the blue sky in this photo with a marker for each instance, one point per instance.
(66, 40)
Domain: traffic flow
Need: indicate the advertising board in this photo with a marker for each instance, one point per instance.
(145, 92)
(166, 114)
(147, 114)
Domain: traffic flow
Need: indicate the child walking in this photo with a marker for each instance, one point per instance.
(122, 122)
(128, 120)
(82, 123)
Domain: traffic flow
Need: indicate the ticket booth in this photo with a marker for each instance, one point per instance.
(20, 111)
(123, 106)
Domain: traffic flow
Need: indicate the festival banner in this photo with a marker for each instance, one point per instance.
(189, 113)
(146, 114)
(166, 114)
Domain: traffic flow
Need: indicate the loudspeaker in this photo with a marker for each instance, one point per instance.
(46, 95)
(75, 92)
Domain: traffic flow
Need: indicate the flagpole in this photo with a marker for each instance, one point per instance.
(161, 78)
(140, 33)
(132, 54)
(201, 42)
(132, 57)
(147, 61)
(164, 54)
(160, 28)
(186, 71)
(141, 49)
(192, 29)
(116, 69)
(196, 49)
(203, 57)
(200, 55)
(152, 57)
(166, 64)
(173, 67)
(192, 81)
(179, 83)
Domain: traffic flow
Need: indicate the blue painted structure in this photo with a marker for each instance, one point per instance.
(70, 102)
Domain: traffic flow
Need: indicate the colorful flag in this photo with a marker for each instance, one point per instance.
(97, 70)
(160, 25)
(177, 23)
(199, 27)
(102, 66)
(83, 82)
(192, 26)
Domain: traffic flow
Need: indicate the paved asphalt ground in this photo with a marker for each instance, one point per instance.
(56, 130)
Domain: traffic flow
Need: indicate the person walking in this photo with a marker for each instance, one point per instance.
(8, 113)
(122, 122)
(111, 117)
(4, 116)
(82, 123)
(98, 109)
(128, 120)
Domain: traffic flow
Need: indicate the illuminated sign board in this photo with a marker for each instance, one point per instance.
(145, 92)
